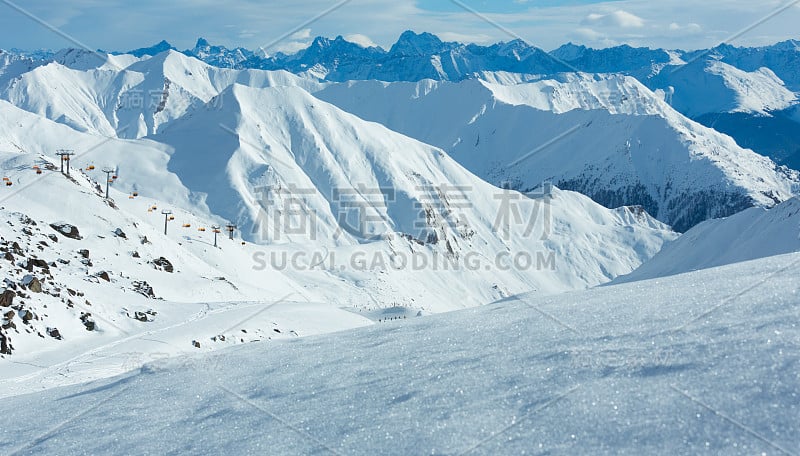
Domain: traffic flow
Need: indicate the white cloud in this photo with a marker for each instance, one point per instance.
(301, 34)
(464, 37)
(688, 28)
(588, 34)
(289, 47)
(619, 18)
(361, 40)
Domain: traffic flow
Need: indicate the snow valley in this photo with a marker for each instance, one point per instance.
(437, 248)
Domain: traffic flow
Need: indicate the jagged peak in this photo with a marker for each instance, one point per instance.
(158, 48)
(412, 43)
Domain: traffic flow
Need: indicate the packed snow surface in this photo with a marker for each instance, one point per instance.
(702, 362)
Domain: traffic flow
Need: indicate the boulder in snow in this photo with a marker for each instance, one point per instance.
(7, 298)
(66, 230)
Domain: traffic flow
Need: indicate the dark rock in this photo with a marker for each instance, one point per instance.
(66, 230)
(9, 257)
(84, 253)
(196, 344)
(163, 264)
(54, 333)
(27, 231)
(104, 275)
(144, 289)
(5, 344)
(17, 249)
(119, 233)
(144, 240)
(88, 322)
(136, 255)
(53, 237)
(36, 263)
(34, 285)
(26, 315)
(7, 298)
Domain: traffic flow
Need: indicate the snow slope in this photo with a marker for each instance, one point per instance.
(748, 235)
(608, 137)
(687, 364)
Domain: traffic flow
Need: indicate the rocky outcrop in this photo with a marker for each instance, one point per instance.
(163, 264)
(66, 230)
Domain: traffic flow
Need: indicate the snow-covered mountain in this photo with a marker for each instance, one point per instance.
(608, 137)
(745, 91)
(625, 145)
(412, 58)
(742, 92)
(219, 56)
(126, 96)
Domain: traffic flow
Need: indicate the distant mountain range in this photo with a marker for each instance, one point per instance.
(747, 93)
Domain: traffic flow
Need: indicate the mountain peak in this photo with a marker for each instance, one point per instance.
(569, 51)
(202, 42)
(162, 46)
(411, 43)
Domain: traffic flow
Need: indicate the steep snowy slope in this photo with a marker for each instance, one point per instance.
(712, 86)
(782, 58)
(737, 91)
(608, 137)
(278, 159)
(126, 96)
(748, 235)
(13, 65)
(644, 368)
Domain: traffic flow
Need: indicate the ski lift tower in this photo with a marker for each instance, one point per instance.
(65, 155)
(108, 172)
(167, 213)
(216, 230)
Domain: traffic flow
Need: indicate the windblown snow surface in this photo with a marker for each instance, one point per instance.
(706, 362)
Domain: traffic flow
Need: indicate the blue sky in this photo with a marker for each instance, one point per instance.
(123, 25)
